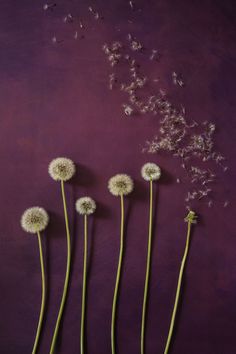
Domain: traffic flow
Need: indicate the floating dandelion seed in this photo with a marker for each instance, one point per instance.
(54, 39)
(128, 110)
(68, 18)
(34, 220)
(48, 6)
(85, 206)
(135, 45)
(131, 4)
(120, 184)
(61, 169)
(210, 203)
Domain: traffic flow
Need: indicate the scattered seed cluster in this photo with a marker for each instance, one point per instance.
(190, 141)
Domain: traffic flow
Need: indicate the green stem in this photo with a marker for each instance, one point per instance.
(40, 322)
(113, 319)
(147, 270)
(65, 289)
(178, 288)
(84, 286)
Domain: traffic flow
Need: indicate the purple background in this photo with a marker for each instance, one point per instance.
(54, 101)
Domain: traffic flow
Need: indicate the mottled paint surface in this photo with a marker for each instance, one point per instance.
(54, 101)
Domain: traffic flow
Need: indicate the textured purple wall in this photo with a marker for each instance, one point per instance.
(54, 101)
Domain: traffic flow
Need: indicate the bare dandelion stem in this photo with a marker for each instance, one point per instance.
(65, 289)
(190, 219)
(84, 285)
(114, 304)
(147, 270)
(40, 322)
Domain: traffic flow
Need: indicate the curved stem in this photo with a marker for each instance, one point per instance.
(84, 286)
(40, 322)
(113, 319)
(65, 289)
(147, 270)
(178, 288)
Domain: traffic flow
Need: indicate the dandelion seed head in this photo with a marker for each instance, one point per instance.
(85, 206)
(34, 220)
(120, 184)
(150, 171)
(61, 169)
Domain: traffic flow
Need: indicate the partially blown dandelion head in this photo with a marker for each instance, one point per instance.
(150, 171)
(34, 220)
(61, 169)
(191, 217)
(85, 206)
(120, 184)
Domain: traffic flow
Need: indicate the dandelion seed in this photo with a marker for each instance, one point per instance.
(68, 18)
(49, 6)
(54, 39)
(210, 203)
(131, 4)
(180, 83)
(129, 37)
(128, 110)
(154, 54)
(135, 45)
(226, 203)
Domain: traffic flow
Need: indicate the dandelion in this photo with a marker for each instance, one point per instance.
(85, 206)
(34, 220)
(190, 219)
(62, 169)
(119, 185)
(150, 172)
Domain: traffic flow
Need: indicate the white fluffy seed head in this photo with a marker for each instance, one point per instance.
(85, 206)
(120, 184)
(34, 220)
(61, 169)
(150, 171)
